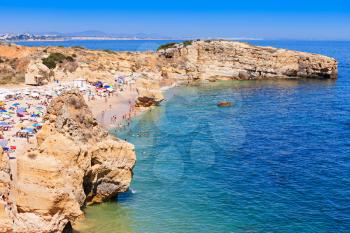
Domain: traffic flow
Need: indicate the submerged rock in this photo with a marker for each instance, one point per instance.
(224, 104)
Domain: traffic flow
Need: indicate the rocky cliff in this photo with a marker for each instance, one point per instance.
(75, 163)
(183, 61)
(235, 60)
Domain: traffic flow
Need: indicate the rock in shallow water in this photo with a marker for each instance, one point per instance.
(224, 104)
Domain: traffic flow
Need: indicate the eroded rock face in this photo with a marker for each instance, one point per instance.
(236, 60)
(75, 163)
(209, 60)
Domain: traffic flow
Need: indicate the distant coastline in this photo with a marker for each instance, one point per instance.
(85, 38)
(9, 38)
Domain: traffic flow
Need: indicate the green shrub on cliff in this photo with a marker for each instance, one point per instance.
(166, 46)
(54, 58)
(187, 42)
(172, 45)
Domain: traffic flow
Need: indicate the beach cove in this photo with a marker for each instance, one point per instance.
(184, 151)
(241, 169)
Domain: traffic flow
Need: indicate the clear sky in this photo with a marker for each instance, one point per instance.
(269, 19)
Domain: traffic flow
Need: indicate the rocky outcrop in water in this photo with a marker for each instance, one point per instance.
(235, 60)
(75, 163)
(149, 93)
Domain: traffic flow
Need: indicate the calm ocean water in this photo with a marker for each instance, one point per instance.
(278, 161)
(116, 45)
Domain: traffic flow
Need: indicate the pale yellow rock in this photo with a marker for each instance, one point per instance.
(208, 60)
(75, 163)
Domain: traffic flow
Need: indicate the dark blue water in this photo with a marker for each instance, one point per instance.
(116, 45)
(277, 161)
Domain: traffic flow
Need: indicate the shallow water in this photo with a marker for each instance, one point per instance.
(277, 161)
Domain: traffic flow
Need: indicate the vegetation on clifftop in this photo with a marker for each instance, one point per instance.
(54, 58)
(173, 45)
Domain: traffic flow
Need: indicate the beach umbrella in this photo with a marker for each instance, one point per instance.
(3, 123)
(3, 110)
(37, 125)
(5, 116)
(16, 104)
(28, 130)
(34, 95)
(3, 142)
(20, 110)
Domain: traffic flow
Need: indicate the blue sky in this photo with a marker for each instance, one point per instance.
(269, 19)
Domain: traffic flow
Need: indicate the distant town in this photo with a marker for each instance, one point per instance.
(95, 35)
(12, 37)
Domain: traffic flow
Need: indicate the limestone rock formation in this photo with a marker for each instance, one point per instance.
(236, 60)
(37, 73)
(75, 163)
(208, 60)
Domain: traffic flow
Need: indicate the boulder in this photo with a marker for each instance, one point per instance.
(224, 104)
(149, 93)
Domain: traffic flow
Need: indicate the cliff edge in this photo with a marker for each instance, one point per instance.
(242, 61)
(75, 163)
(186, 61)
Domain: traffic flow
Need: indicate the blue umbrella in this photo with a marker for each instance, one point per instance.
(28, 130)
(20, 110)
(16, 104)
(3, 110)
(37, 125)
(3, 123)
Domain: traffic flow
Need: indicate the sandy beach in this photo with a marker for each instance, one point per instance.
(109, 110)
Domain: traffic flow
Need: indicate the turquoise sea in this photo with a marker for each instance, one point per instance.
(277, 161)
